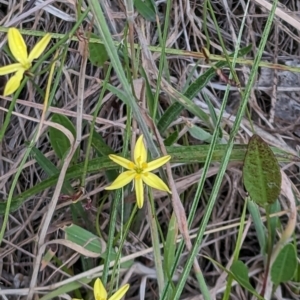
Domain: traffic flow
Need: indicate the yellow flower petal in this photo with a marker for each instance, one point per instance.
(155, 182)
(123, 179)
(140, 152)
(10, 69)
(17, 46)
(125, 163)
(13, 83)
(139, 191)
(152, 165)
(99, 290)
(39, 47)
(119, 293)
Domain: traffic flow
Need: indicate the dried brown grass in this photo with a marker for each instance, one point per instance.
(19, 247)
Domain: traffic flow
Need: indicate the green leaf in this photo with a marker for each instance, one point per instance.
(199, 133)
(259, 225)
(51, 169)
(212, 112)
(84, 238)
(149, 93)
(114, 255)
(297, 275)
(98, 54)
(100, 146)
(169, 253)
(169, 116)
(118, 92)
(59, 142)
(285, 265)
(67, 288)
(171, 139)
(261, 172)
(79, 214)
(146, 8)
(170, 249)
(103, 150)
(44, 162)
(274, 208)
(175, 109)
(240, 273)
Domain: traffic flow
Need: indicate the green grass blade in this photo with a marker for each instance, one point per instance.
(259, 225)
(236, 251)
(175, 109)
(116, 63)
(50, 169)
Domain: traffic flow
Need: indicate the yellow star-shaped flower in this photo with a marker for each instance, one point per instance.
(100, 292)
(18, 49)
(139, 170)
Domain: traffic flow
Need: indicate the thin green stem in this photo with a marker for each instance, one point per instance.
(205, 14)
(96, 113)
(130, 19)
(162, 61)
(124, 234)
(268, 250)
(237, 249)
(155, 243)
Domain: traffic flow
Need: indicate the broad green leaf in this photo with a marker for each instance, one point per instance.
(171, 139)
(84, 238)
(98, 54)
(59, 142)
(146, 8)
(297, 275)
(240, 273)
(285, 265)
(199, 133)
(261, 172)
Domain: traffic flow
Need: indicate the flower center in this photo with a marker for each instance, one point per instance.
(138, 170)
(27, 65)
